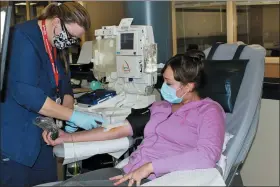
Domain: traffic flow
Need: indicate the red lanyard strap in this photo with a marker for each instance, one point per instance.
(49, 51)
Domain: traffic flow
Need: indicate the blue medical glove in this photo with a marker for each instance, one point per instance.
(70, 127)
(86, 121)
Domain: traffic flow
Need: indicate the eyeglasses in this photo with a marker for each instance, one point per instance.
(72, 39)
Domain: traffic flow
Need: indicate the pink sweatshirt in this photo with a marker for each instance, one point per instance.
(190, 138)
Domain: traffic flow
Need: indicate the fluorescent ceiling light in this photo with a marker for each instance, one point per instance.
(24, 4)
(201, 4)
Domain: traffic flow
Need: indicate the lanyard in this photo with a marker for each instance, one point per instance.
(48, 49)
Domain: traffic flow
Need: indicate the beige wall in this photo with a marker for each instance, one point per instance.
(261, 167)
(195, 24)
(3, 3)
(242, 23)
(103, 13)
(270, 25)
(198, 24)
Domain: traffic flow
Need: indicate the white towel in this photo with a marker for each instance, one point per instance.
(199, 177)
(82, 150)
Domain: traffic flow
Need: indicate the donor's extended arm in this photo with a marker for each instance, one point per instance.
(133, 126)
(97, 134)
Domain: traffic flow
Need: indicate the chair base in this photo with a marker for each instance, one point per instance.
(237, 181)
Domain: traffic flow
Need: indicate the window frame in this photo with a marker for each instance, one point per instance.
(233, 22)
(231, 13)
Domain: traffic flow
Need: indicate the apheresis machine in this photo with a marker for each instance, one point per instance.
(126, 55)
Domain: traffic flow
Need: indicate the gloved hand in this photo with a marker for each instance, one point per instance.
(70, 127)
(84, 121)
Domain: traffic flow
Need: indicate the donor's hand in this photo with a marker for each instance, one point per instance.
(62, 137)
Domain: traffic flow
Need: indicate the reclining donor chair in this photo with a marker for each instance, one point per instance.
(238, 72)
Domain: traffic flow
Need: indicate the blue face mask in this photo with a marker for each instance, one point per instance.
(169, 94)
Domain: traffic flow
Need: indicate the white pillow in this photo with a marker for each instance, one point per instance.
(222, 162)
(228, 136)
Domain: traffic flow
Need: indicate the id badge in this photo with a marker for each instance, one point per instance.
(58, 101)
(59, 123)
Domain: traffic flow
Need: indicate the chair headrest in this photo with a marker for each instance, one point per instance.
(250, 91)
(224, 77)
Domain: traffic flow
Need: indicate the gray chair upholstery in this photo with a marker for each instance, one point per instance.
(243, 121)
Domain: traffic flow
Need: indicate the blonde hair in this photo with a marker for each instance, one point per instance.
(68, 12)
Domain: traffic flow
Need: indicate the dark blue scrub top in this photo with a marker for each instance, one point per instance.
(30, 80)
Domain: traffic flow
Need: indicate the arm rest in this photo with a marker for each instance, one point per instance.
(58, 150)
(81, 150)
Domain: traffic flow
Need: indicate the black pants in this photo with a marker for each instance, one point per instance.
(97, 178)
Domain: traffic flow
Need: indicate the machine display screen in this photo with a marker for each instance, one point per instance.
(127, 41)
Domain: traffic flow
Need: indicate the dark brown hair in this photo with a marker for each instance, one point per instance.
(68, 12)
(188, 68)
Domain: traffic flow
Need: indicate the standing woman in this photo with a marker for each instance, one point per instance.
(38, 83)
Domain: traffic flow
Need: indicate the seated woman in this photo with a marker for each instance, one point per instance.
(184, 132)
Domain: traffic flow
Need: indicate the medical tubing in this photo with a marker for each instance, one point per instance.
(110, 77)
(77, 168)
(136, 88)
(47, 124)
(115, 107)
(117, 82)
